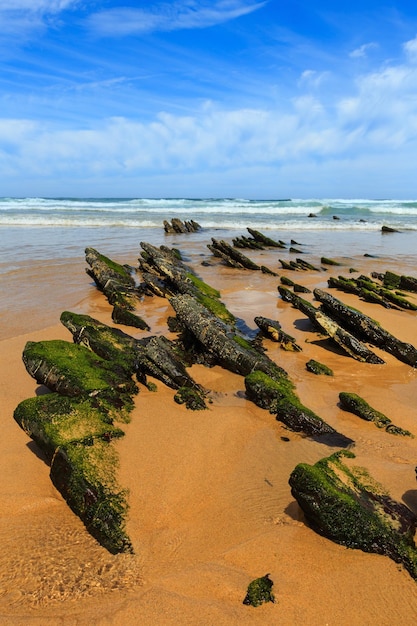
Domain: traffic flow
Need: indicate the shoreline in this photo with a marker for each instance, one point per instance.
(211, 508)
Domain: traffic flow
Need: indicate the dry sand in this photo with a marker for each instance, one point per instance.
(210, 505)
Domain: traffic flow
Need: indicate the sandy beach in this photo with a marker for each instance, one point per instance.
(210, 504)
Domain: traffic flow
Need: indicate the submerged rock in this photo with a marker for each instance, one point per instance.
(346, 505)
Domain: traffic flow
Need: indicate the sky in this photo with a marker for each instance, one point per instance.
(189, 98)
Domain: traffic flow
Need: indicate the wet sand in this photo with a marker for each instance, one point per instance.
(210, 505)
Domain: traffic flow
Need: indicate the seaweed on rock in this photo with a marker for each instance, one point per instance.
(347, 506)
(74, 428)
(259, 591)
(279, 397)
(358, 406)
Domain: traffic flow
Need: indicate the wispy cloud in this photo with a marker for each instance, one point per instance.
(183, 14)
(23, 17)
(363, 50)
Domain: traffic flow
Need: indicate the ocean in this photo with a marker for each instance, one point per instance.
(41, 239)
(41, 226)
(234, 213)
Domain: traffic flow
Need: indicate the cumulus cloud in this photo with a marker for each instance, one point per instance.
(410, 48)
(374, 118)
(169, 16)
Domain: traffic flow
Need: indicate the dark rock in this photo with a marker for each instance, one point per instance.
(279, 398)
(272, 329)
(355, 404)
(264, 240)
(113, 279)
(327, 261)
(178, 226)
(318, 368)
(120, 315)
(219, 340)
(366, 328)
(347, 506)
(388, 229)
(327, 325)
(232, 256)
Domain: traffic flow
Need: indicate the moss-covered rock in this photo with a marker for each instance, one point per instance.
(73, 370)
(85, 476)
(121, 315)
(318, 368)
(357, 405)
(113, 279)
(53, 421)
(347, 506)
(111, 344)
(259, 591)
(192, 398)
(279, 397)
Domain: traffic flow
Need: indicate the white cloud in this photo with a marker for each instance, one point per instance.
(169, 16)
(374, 121)
(312, 78)
(363, 50)
(21, 18)
(38, 6)
(410, 48)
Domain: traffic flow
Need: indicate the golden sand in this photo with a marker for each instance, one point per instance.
(210, 504)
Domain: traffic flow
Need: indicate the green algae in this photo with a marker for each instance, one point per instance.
(203, 287)
(357, 405)
(192, 398)
(74, 370)
(53, 421)
(216, 307)
(350, 508)
(318, 368)
(85, 476)
(259, 591)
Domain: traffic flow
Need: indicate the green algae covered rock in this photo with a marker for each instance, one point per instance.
(279, 397)
(111, 344)
(192, 398)
(73, 370)
(318, 368)
(74, 427)
(121, 315)
(85, 476)
(357, 405)
(259, 591)
(346, 505)
(53, 421)
(113, 279)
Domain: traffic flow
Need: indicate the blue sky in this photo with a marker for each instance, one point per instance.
(190, 98)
